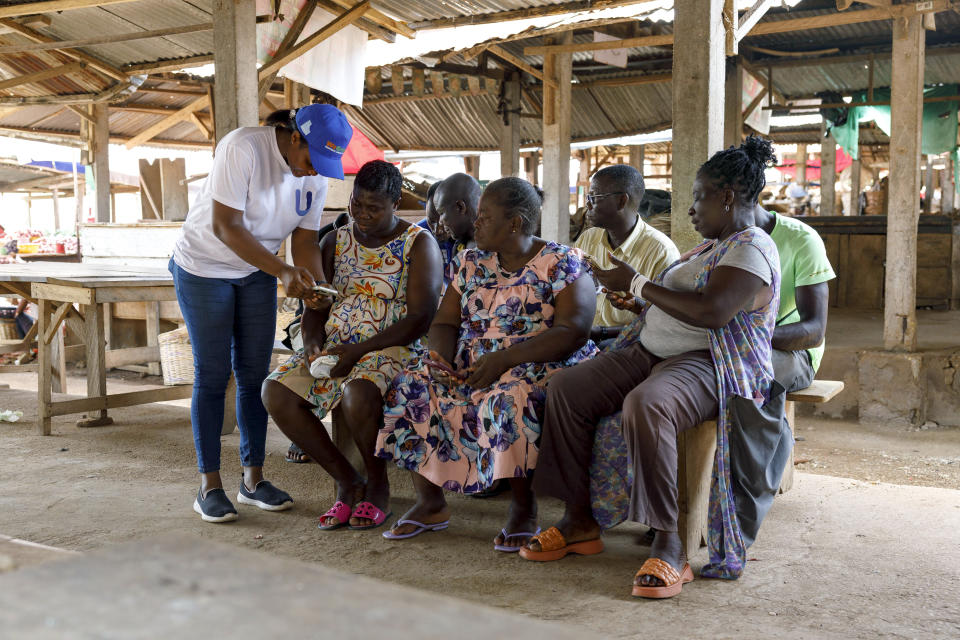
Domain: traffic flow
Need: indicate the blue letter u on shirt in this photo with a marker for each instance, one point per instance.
(303, 212)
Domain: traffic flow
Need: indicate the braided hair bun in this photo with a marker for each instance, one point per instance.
(741, 168)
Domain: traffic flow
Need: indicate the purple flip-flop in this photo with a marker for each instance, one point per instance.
(507, 536)
(421, 528)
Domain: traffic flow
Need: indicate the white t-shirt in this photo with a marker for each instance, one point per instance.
(248, 174)
(665, 336)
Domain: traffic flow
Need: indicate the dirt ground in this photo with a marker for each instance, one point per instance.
(866, 545)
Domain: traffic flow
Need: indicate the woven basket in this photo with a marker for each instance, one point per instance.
(8, 329)
(176, 357)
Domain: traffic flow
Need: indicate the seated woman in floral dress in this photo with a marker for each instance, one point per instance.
(388, 275)
(518, 309)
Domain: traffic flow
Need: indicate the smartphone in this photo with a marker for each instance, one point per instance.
(443, 367)
(330, 291)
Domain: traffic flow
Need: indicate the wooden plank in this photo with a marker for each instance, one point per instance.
(503, 54)
(58, 317)
(51, 6)
(98, 64)
(61, 293)
(44, 379)
(153, 331)
(696, 449)
(135, 355)
(154, 130)
(518, 14)
(752, 17)
(378, 18)
(140, 294)
(58, 358)
(168, 65)
(100, 404)
(40, 76)
(96, 357)
(19, 368)
(819, 391)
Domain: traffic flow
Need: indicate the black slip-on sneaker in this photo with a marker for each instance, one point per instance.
(215, 507)
(266, 496)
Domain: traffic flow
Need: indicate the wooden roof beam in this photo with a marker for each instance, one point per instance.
(101, 66)
(173, 64)
(503, 54)
(74, 139)
(378, 18)
(40, 76)
(51, 6)
(519, 14)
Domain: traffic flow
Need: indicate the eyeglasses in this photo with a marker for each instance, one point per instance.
(592, 198)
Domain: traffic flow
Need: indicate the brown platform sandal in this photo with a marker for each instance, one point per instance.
(672, 580)
(554, 546)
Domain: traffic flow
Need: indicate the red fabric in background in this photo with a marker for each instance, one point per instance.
(813, 166)
(359, 152)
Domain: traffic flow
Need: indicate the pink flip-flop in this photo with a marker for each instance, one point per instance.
(341, 511)
(371, 511)
(420, 528)
(507, 536)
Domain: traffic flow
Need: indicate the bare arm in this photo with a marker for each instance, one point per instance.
(228, 228)
(306, 253)
(812, 302)
(313, 320)
(446, 326)
(728, 291)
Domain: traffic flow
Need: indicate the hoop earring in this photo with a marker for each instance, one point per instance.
(727, 208)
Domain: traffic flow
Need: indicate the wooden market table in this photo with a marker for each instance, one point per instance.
(55, 288)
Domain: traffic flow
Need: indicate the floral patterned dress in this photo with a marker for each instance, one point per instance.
(372, 283)
(464, 439)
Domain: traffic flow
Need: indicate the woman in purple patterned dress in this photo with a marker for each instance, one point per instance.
(518, 309)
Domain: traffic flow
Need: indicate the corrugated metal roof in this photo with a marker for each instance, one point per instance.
(417, 10)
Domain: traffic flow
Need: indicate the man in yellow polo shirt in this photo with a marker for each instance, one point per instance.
(613, 203)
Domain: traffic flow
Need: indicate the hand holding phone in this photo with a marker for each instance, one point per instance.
(326, 290)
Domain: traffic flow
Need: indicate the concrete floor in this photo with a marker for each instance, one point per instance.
(855, 554)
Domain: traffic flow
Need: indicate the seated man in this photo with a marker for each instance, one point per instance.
(612, 208)
(431, 222)
(456, 201)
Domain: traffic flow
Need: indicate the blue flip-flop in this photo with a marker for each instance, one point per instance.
(421, 528)
(507, 536)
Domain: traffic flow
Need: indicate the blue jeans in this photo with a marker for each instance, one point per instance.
(230, 321)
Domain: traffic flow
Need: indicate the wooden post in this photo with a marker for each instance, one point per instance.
(637, 152)
(58, 361)
(101, 161)
(855, 188)
(906, 111)
(471, 166)
(235, 92)
(558, 67)
(96, 364)
(173, 191)
(56, 209)
(733, 104)
(531, 164)
(510, 132)
(153, 331)
(44, 380)
(928, 186)
(698, 89)
(801, 164)
(828, 175)
(947, 189)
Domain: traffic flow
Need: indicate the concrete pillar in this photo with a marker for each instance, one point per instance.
(101, 160)
(733, 104)
(637, 153)
(828, 176)
(510, 132)
(802, 164)
(928, 186)
(855, 188)
(906, 104)
(583, 176)
(698, 88)
(235, 92)
(555, 223)
(531, 166)
(947, 188)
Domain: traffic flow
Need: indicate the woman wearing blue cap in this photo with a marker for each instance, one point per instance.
(266, 183)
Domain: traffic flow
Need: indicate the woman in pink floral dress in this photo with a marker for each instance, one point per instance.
(518, 309)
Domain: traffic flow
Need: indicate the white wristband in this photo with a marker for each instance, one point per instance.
(636, 285)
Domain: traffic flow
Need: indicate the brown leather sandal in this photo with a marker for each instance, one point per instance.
(673, 580)
(553, 546)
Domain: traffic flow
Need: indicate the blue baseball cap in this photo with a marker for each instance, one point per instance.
(327, 133)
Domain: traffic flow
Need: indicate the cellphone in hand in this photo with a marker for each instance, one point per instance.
(443, 367)
(329, 291)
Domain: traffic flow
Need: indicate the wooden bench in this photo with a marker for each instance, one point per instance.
(696, 449)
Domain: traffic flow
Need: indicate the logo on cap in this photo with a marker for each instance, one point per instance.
(305, 127)
(333, 146)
